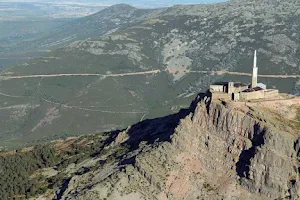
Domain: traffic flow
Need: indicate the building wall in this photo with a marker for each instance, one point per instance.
(227, 88)
(216, 88)
(271, 93)
(236, 97)
(252, 95)
(223, 96)
(240, 89)
(231, 87)
(261, 94)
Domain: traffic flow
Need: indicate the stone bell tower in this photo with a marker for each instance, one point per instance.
(254, 73)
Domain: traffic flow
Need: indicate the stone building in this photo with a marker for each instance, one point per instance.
(255, 93)
(228, 87)
(244, 92)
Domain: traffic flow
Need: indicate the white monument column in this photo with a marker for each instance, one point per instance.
(255, 70)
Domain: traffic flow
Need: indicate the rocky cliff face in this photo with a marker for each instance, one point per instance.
(262, 159)
(218, 151)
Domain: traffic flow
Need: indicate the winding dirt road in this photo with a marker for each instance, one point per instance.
(7, 95)
(102, 75)
(219, 73)
(170, 70)
(245, 74)
(94, 110)
(76, 107)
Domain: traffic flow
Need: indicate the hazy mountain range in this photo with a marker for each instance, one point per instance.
(141, 4)
(11, 11)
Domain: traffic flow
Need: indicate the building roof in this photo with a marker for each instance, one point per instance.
(220, 83)
(235, 84)
(264, 86)
(240, 84)
(253, 89)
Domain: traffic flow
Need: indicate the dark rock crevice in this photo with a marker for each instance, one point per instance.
(243, 164)
(62, 189)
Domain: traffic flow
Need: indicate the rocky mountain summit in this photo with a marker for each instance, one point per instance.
(219, 150)
(215, 149)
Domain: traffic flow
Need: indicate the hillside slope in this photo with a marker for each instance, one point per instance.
(180, 41)
(15, 32)
(103, 22)
(212, 150)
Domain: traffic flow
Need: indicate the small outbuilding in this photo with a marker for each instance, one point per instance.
(261, 85)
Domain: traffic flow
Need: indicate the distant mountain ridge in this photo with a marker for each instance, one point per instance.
(103, 22)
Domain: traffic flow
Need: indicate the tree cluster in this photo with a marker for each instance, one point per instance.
(15, 170)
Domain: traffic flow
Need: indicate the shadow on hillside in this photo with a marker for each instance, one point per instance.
(155, 130)
(159, 129)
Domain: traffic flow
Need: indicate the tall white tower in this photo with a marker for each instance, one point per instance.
(255, 70)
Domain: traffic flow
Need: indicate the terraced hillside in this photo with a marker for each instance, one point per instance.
(180, 42)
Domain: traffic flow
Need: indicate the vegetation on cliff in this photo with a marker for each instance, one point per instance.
(24, 174)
